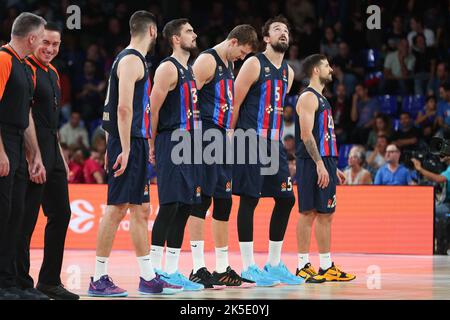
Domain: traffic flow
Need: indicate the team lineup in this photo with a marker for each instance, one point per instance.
(194, 99)
(141, 118)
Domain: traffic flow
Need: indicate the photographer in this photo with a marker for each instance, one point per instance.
(442, 209)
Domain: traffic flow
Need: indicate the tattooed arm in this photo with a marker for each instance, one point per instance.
(306, 107)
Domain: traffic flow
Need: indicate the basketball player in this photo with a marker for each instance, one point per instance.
(126, 121)
(213, 71)
(261, 87)
(174, 111)
(317, 174)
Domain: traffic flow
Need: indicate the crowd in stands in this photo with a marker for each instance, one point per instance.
(391, 87)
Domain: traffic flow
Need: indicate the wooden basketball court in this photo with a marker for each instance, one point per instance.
(391, 277)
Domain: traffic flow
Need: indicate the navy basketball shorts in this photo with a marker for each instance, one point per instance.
(177, 182)
(132, 187)
(216, 177)
(248, 178)
(310, 195)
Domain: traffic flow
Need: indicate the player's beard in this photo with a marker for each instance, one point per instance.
(151, 47)
(326, 80)
(191, 49)
(280, 47)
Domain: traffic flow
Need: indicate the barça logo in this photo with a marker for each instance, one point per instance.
(228, 186)
(283, 186)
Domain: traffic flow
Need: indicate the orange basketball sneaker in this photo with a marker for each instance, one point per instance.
(309, 274)
(334, 274)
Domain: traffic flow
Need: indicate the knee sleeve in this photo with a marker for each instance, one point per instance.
(280, 218)
(222, 209)
(199, 210)
(176, 230)
(162, 223)
(246, 211)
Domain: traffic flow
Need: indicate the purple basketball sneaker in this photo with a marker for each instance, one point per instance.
(157, 286)
(105, 287)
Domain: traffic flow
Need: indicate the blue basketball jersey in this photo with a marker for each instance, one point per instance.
(140, 126)
(262, 109)
(179, 110)
(215, 99)
(323, 130)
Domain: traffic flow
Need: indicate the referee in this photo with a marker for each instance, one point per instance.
(53, 195)
(16, 131)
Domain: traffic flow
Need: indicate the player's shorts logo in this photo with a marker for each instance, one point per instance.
(198, 191)
(228, 186)
(332, 202)
(283, 187)
(146, 190)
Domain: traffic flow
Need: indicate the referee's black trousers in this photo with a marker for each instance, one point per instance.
(12, 199)
(54, 198)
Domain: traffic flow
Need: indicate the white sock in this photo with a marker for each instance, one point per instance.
(156, 255)
(198, 255)
(325, 260)
(101, 267)
(275, 252)
(222, 259)
(303, 260)
(146, 268)
(172, 257)
(247, 254)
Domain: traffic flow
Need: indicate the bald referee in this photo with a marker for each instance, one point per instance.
(16, 131)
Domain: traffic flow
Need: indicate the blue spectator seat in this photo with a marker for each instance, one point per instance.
(413, 104)
(388, 104)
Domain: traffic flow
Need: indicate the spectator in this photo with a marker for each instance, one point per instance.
(341, 114)
(406, 137)
(443, 109)
(289, 144)
(72, 133)
(348, 66)
(296, 65)
(425, 64)
(76, 174)
(438, 78)
(364, 111)
(382, 126)
(426, 119)
(93, 172)
(395, 34)
(89, 93)
(329, 46)
(393, 173)
(417, 27)
(398, 70)
(356, 174)
(442, 209)
(289, 125)
(377, 157)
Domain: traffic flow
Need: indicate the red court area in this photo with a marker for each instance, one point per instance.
(368, 219)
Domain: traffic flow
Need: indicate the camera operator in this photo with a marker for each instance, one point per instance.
(442, 209)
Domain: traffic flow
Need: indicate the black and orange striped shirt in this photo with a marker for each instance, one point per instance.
(16, 89)
(47, 94)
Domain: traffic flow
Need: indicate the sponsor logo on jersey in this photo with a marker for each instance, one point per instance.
(331, 202)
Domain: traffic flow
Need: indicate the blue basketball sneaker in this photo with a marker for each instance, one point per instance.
(261, 277)
(179, 279)
(281, 273)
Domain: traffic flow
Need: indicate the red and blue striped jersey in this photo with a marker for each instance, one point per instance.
(140, 126)
(262, 109)
(216, 98)
(323, 130)
(179, 110)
